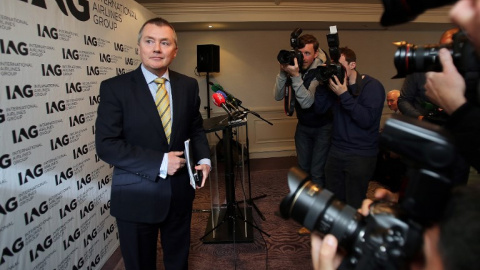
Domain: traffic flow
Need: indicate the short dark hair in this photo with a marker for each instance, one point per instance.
(308, 39)
(349, 54)
(158, 22)
(459, 241)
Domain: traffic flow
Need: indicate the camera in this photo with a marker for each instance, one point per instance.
(391, 235)
(287, 57)
(401, 11)
(411, 58)
(332, 67)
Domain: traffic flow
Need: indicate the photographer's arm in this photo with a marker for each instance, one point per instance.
(279, 88)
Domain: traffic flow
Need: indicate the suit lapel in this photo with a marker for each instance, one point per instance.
(178, 98)
(146, 101)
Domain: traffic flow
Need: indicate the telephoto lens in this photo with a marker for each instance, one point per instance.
(318, 210)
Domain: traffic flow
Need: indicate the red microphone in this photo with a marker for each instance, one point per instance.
(219, 101)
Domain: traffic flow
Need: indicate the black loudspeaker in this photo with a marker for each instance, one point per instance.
(208, 58)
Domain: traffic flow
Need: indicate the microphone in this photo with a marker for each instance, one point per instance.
(219, 101)
(229, 97)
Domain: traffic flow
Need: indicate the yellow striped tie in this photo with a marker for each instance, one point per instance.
(163, 106)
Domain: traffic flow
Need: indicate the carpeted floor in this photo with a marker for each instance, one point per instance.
(284, 249)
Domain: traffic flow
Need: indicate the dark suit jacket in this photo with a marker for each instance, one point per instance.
(129, 135)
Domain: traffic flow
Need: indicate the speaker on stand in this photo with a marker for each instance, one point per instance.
(208, 60)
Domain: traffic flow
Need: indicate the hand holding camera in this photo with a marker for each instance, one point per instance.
(446, 88)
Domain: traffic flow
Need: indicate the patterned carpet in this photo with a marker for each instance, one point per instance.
(284, 249)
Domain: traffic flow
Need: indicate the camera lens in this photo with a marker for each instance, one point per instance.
(410, 58)
(318, 210)
(286, 57)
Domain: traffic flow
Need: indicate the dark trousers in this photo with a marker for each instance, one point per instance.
(347, 176)
(138, 243)
(312, 144)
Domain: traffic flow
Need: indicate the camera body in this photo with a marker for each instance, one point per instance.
(391, 235)
(288, 56)
(332, 67)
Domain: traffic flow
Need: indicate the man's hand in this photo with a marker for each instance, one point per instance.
(447, 88)
(337, 87)
(175, 162)
(293, 71)
(324, 252)
(205, 171)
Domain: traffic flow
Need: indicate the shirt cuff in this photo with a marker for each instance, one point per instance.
(164, 166)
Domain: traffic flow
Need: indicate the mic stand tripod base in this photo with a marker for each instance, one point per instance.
(230, 229)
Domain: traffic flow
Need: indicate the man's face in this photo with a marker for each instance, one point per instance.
(392, 99)
(157, 48)
(348, 66)
(309, 55)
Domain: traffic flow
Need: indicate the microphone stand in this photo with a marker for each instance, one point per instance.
(250, 200)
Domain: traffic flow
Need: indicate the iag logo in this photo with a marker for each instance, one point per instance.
(59, 142)
(105, 208)
(103, 182)
(94, 100)
(40, 247)
(108, 231)
(80, 151)
(10, 206)
(118, 47)
(70, 54)
(53, 106)
(86, 209)
(105, 58)
(71, 239)
(35, 212)
(23, 133)
(88, 40)
(76, 120)
(28, 175)
(90, 237)
(47, 32)
(93, 71)
(84, 181)
(49, 70)
(10, 47)
(63, 176)
(2, 119)
(68, 208)
(73, 87)
(129, 61)
(17, 91)
(16, 247)
(82, 13)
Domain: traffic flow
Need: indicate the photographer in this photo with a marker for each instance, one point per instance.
(312, 135)
(447, 245)
(357, 105)
(412, 101)
(447, 88)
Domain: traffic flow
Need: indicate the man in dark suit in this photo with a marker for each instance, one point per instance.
(151, 188)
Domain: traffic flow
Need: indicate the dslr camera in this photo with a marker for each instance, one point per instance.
(332, 67)
(391, 235)
(286, 57)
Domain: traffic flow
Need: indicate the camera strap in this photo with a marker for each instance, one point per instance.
(289, 98)
(358, 83)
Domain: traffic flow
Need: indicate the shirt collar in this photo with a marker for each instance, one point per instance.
(149, 76)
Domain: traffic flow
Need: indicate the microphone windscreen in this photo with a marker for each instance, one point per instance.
(222, 93)
(218, 99)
